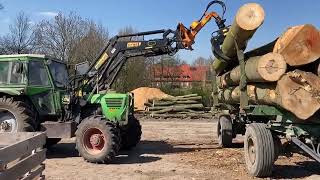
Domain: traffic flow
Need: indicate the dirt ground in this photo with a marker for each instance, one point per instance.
(175, 149)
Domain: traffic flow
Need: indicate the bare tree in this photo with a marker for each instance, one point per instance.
(20, 37)
(59, 37)
(201, 61)
(91, 43)
(70, 38)
(136, 71)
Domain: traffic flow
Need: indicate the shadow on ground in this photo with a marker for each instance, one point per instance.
(299, 170)
(144, 152)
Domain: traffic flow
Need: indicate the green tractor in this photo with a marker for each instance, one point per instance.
(40, 93)
(37, 93)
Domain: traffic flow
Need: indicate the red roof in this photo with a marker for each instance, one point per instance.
(182, 73)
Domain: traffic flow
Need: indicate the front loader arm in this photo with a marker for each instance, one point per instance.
(107, 66)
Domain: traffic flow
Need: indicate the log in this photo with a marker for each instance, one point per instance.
(158, 110)
(248, 19)
(260, 51)
(170, 103)
(258, 94)
(299, 45)
(195, 98)
(188, 95)
(176, 107)
(266, 68)
(182, 116)
(300, 93)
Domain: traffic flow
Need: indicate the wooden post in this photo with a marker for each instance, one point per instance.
(248, 19)
(299, 45)
(267, 68)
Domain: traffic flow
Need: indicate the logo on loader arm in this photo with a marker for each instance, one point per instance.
(133, 44)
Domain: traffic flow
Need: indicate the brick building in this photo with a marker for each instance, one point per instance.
(180, 76)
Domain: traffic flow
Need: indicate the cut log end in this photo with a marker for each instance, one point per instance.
(250, 16)
(299, 45)
(300, 93)
(271, 67)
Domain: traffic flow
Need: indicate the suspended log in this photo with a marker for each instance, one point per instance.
(299, 45)
(258, 94)
(266, 68)
(300, 93)
(248, 19)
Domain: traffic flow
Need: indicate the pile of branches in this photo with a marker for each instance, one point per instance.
(187, 106)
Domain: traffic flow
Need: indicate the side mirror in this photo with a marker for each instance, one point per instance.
(82, 68)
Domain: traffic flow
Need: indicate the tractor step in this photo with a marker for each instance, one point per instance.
(59, 129)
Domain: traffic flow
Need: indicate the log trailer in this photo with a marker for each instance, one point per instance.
(36, 93)
(269, 130)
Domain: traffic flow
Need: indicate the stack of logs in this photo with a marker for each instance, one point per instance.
(285, 72)
(188, 106)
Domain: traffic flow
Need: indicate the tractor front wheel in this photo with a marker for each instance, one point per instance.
(98, 140)
(131, 134)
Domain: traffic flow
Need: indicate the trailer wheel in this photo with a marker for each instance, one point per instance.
(131, 135)
(98, 140)
(224, 131)
(259, 150)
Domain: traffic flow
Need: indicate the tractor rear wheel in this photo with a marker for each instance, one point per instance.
(224, 131)
(16, 116)
(259, 150)
(98, 140)
(131, 134)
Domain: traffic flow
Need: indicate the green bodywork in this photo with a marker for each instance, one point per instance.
(46, 93)
(115, 106)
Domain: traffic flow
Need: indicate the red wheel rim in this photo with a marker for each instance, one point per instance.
(94, 140)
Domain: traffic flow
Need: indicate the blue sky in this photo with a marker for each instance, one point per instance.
(146, 15)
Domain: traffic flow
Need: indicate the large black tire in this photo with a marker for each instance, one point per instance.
(131, 134)
(98, 140)
(224, 132)
(259, 150)
(17, 112)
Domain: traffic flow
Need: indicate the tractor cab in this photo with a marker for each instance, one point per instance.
(40, 79)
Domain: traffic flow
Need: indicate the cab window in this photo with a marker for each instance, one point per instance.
(12, 72)
(38, 74)
(59, 73)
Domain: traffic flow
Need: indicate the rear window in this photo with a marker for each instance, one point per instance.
(12, 72)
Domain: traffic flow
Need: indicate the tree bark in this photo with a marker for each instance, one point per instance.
(162, 110)
(299, 45)
(194, 98)
(266, 68)
(300, 93)
(258, 94)
(248, 19)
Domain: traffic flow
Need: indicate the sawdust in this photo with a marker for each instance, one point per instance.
(142, 94)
